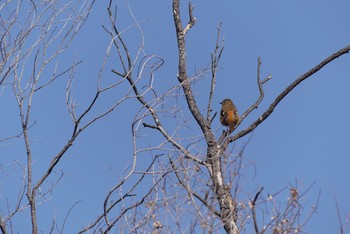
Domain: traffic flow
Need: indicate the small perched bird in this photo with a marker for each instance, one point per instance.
(228, 115)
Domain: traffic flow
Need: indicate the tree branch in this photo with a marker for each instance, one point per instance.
(260, 84)
(252, 203)
(285, 92)
(183, 77)
(215, 58)
(338, 215)
(192, 19)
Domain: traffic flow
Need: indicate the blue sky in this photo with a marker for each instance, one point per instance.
(305, 139)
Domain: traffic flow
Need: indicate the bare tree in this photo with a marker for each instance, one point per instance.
(35, 35)
(206, 175)
(193, 178)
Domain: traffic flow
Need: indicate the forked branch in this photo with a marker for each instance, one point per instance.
(192, 19)
(260, 84)
(285, 92)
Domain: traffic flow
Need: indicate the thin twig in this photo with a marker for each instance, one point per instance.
(338, 214)
(253, 202)
(215, 58)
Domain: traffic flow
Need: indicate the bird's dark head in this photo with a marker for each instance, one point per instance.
(227, 100)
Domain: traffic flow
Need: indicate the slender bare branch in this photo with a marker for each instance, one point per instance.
(285, 92)
(341, 229)
(253, 203)
(215, 58)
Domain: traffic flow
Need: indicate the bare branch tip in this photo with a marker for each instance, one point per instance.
(190, 8)
(146, 125)
(192, 20)
(266, 79)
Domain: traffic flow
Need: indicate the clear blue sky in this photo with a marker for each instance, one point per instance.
(305, 139)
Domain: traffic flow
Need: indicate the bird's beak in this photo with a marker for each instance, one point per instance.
(220, 102)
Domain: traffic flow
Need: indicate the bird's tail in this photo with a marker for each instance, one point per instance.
(231, 127)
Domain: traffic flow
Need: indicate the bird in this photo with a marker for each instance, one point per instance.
(228, 114)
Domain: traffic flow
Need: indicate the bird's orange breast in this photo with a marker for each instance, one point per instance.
(230, 116)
